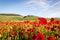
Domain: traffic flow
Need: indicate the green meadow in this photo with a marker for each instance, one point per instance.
(16, 17)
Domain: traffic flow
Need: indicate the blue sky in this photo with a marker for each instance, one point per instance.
(43, 8)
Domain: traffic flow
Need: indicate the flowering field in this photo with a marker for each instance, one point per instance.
(41, 29)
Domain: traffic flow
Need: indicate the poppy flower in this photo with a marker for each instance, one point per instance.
(42, 20)
(51, 38)
(52, 29)
(12, 35)
(54, 26)
(33, 37)
(30, 30)
(0, 23)
(5, 28)
(26, 21)
(48, 27)
(57, 22)
(48, 23)
(36, 24)
(58, 30)
(22, 32)
(56, 35)
(40, 36)
(12, 23)
(52, 19)
(18, 24)
(0, 30)
(13, 31)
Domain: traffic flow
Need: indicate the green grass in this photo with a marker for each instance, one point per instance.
(16, 17)
(13, 18)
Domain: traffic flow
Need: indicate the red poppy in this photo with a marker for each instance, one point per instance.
(56, 35)
(12, 23)
(57, 22)
(33, 37)
(5, 28)
(52, 23)
(12, 35)
(51, 38)
(52, 29)
(0, 23)
(52, 19)
(17, 24)
(26, 21)
(40, 36)
(36, 23)
(30, 30)
(13, 31)
(22, 32)
(42, 20)
(4, 23)
(55, 26)
(58, 30)
(48, 27)
(0, 30)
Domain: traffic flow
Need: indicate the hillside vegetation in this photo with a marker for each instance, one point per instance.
(17, 17)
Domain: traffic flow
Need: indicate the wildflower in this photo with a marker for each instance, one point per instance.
(42, 20)
(30, 30)
(0, 30)
(26, 21)
(33, 37)
(22, 32)
(48, 27)
(11, 35)
(40, 36)
(52, 29)
(36, 24)
(51, 38)
(52, 19)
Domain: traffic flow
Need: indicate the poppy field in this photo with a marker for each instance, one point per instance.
(41, 29)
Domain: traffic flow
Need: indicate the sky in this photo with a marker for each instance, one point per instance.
(42, 8)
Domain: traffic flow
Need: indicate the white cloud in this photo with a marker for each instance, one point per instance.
(47, 9)
(54, 5)
(44, 4)
(41, 3)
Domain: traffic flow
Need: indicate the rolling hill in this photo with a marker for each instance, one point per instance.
(17, 17)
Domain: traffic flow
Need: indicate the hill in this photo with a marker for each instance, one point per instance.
(13, 17)
(3, 14)
(17, 17)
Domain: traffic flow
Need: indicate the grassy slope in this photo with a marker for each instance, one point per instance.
(7, 17)
(16, 17)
